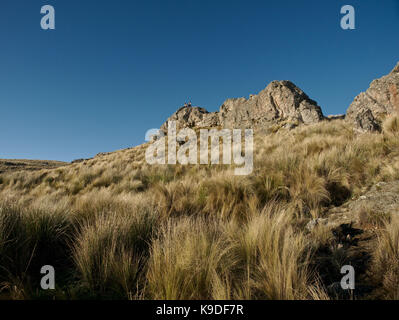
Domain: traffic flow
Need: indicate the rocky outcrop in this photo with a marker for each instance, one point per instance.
(381, 99)
(190, 117)
(378, 203)
(279, 101)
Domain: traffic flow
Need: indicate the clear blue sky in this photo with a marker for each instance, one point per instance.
(113, 69)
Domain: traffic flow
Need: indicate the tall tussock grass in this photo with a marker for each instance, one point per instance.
(185, 260)
(110, 252)
(30, 239)
(386, 257)
(207, 259)
(272, 257)
(115, 227)
(391, 125)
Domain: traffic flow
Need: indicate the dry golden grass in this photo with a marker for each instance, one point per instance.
(272, 257)
(210, 259)
(391, 125)
(110, 252)
(186, 259)
(386, 257)
(130, 230)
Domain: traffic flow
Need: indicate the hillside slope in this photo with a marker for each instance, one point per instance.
(182, 232)
(20, 164)
(321, 196)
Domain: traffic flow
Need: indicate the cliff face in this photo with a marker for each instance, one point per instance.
(381, 99)
(280, 100)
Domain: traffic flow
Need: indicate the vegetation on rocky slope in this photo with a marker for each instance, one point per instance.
(116, 227)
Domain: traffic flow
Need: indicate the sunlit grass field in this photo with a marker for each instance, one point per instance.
(115, 227)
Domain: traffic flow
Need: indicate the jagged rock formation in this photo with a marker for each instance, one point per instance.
(381, 99)
(189, 117)
(280, 100)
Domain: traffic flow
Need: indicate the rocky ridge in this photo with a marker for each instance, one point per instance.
(283, 101)
(280, 100)
(381, 99)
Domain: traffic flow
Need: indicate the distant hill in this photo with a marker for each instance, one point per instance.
(7, 165)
